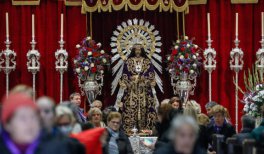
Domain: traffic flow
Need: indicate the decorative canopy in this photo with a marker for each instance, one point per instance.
(109, 5)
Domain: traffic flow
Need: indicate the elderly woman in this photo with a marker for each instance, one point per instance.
(95, 116)
(117, 141)
(66, 121)
(183, 135)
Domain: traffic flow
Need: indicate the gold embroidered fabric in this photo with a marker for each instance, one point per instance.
(139, 105)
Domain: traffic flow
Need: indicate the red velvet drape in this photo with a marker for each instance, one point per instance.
(48, 15)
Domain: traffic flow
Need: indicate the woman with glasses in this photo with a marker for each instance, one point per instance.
(117, 141)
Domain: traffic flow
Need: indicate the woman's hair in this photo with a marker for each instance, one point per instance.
(93, 111)
(113, 115)
(219, 109)
(190, 111)
(179, 121)
(203, 119)
(194, 105)
(62, 110)
(165, 111)
(176, 99)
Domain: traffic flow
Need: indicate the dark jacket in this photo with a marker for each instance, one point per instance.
(244, 134)
(227, 130)
(51, 145)
(169, 149)
(257, 133)
(123, 143)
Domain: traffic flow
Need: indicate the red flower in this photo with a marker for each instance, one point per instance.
(96, 54)
(174, 52)
(183, 42)
(193, 50)
(186, 55)
(93, 69)
(186, 70)
(182, 48)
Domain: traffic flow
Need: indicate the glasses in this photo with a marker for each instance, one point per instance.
(115, 122)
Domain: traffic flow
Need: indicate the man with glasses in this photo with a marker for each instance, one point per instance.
(117, 141)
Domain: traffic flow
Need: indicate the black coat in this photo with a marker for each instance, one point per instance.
(169, 149)
(52, 145)
(123, 143)
(244, 134)
(227, 130)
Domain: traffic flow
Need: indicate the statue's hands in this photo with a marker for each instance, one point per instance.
(153, 83)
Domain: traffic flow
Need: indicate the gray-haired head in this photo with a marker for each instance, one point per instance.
(248, 121)
(180, 121)
(210, 104)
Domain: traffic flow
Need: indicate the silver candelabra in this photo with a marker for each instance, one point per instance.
(236, 64)
(209, 63)
(33, 64)
(7, 62)
(260, 59)
(61, 63)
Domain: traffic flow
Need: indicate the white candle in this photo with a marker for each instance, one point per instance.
(33, 26)
(7, 25)
(262, 24)
(236, 24)
(61, 25)
(208, 24)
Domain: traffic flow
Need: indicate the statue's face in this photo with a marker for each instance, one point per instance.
(138, 51)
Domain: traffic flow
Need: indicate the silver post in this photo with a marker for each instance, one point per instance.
(33, 64)
(209, 63)
(61, 64)
(236, 64)
(7, 62)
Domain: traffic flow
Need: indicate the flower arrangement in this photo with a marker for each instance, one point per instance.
(91, 59)
(254, 97)
(184, 58)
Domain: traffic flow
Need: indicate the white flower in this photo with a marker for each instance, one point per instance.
(78, 46)
(188, 45)
(78, 70)
(181, 57)
(195, 46)
(86, 68)
(99, 44)
(194, 65)
(186, 37)
(88, 38)
(194, 57)
(104, 60)
(170, 70)
(102, 71)
(178, 41)
(90, 53)
(197, 54)
(92, 64)
(75, 61)
(176, 47)
(102, 51)
(191, 71)
(168, 58)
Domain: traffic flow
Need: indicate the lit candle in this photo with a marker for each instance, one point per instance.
(208, 24)
(61, 25)
(262, 24)
(33, 26)
(236, 24)
(7, 28)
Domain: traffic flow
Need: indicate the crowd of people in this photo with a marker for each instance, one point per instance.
(43, 127)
